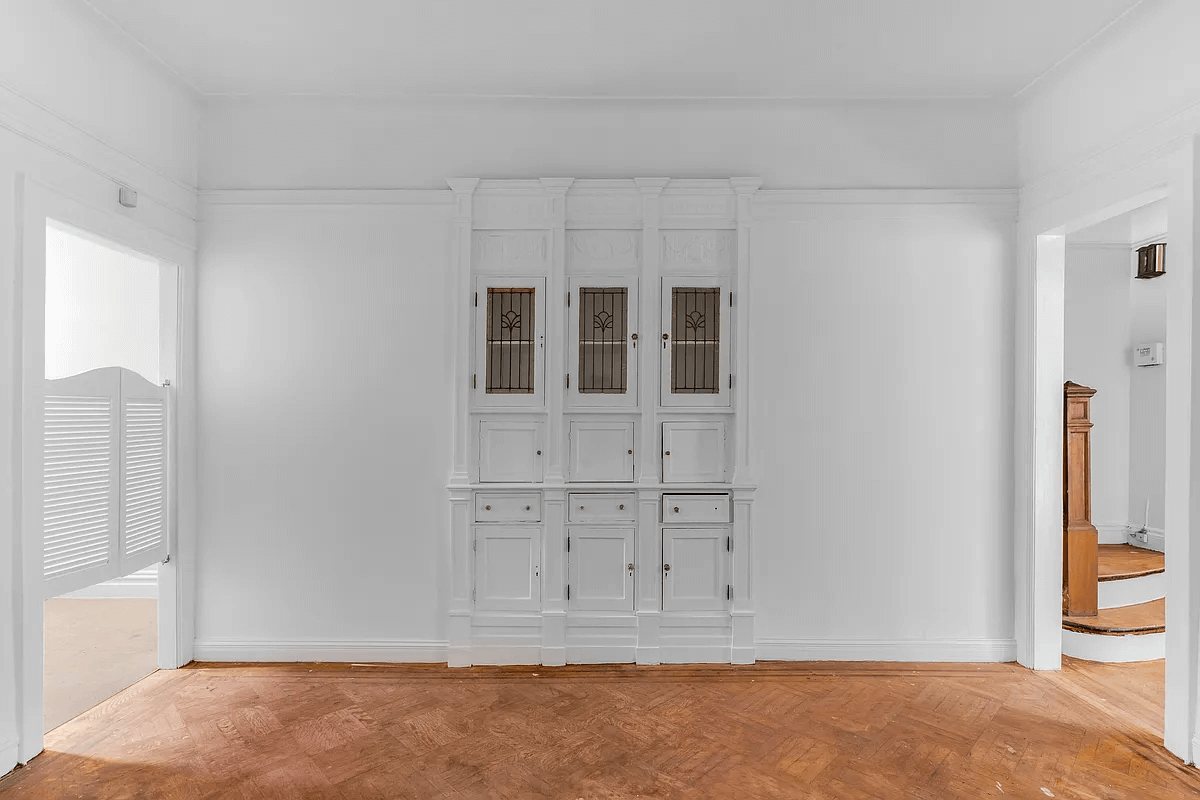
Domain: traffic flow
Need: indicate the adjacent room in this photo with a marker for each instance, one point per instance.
(687, 398)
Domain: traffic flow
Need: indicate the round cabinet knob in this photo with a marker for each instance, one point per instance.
(487, 508)
(666, 567)
(676, 509)
(539, 452)
(635, 337)
(630, 452)
(581, 508)
(528, 508)
(621, 507)
(666, 336)
(667, 453)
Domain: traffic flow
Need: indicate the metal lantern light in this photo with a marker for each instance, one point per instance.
(1152, 260)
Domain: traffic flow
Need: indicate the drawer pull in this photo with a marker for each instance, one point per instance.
(676, 509)
(621, 507)
(668, 453)
(666, 567)
(528, 508)
(581, 508)
(539, 452)
(630, 452)
(487, 508)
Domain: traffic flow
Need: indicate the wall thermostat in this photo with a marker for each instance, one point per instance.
(1148, 355)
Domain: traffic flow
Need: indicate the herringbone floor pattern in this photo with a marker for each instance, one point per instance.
(767, 731)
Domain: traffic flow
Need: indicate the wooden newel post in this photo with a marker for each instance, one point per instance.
(1080, 545)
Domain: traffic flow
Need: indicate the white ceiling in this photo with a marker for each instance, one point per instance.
(836, 49)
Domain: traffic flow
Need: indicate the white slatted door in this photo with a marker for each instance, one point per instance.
(81, 480)
(105, 478)
(144, 472)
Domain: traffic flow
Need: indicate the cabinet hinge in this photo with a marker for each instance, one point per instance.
(472, 595)
(731, 299)
(568, 299)
(477, 299)
(568, 380)
(475, 381)
(728, 544)
(568, 544)
(731, 380)
(475, 544)
(728, 592)
(568, 591)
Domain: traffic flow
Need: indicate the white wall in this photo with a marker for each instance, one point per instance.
(1147, 406)
(359, 143)
(1097, 354)
(79, 113)
(323, 416)
(882, 428)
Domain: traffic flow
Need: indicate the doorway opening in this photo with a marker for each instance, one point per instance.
(109, 312)
(1114, 559)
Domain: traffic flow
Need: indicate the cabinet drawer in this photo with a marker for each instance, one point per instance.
(695, 508)
(602, 508)
(508, 508)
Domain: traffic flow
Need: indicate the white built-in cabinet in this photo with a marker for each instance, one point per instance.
(600, 495)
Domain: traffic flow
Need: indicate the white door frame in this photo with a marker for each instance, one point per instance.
(36, 204)
(1042, 230)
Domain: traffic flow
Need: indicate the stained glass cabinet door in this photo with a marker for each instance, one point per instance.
(602, 342)
(694, 342)
(510, 339)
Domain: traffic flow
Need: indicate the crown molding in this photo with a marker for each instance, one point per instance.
(29, 120)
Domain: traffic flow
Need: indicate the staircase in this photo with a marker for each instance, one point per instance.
(1131, 624)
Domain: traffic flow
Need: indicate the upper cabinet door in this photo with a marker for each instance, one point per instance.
(602, 340)
(510, 339)
(696, 326)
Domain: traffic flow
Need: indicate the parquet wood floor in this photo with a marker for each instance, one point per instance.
(820, 731)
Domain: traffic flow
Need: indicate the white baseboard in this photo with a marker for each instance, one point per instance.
(8, 756)
(924, 650)
(389, 651)
(1155, 537)
(1114, 649)
(1112, 533)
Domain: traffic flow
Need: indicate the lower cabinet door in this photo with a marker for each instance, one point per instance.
(695, 569)
(600, 569)
(508, 567)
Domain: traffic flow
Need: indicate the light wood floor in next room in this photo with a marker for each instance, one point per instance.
(765, 731)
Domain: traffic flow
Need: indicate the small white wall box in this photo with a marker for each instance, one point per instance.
(127, 197)
(1148, 355)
